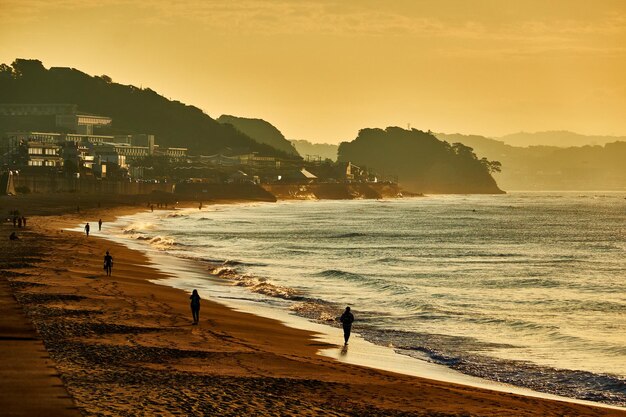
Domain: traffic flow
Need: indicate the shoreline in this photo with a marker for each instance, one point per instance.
(122, 335)
(367, 354)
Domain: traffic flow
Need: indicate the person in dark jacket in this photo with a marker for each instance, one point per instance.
(346, 320)
(108, 263)
(195, 306)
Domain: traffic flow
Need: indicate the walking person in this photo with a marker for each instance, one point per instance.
(87, 229)
(19, 222)
(346, 320)
(108, 264)
(195, 306)
(100, 225)
(24, 221)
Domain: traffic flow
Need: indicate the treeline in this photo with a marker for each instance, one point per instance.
(421, 162)
(133, 109)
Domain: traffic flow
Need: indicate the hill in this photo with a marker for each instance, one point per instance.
(548, 168)
(422, 163)
(261, 131)
(133, 109)
(324, 150)
(560, 138)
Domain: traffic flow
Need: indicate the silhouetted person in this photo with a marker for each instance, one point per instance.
(19, 222)
(24, 221)
(195, 306)
(151, 208)
(13, 236)
(87, 229)
(346, 320)
(108, 263)
(99, 224)
(14, 221)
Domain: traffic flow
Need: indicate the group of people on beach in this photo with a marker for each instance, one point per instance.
(88, 228)
(18, 222)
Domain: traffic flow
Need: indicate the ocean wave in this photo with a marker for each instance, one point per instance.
(176, 215)
(317, 310)
(337, 273)
(256, 284)
(162, 242)
(137, 227)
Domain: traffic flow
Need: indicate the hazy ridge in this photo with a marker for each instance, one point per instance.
(561, 138)
(323, 150)
(550, 167)
(261, 131)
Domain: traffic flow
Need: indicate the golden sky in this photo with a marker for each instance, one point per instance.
(322, 70)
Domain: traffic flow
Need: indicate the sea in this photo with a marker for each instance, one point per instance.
(528, 289)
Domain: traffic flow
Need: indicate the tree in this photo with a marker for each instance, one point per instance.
(28, 67)
(492, 166)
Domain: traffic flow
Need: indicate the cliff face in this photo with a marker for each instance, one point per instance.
(422, 163)
(261, 131)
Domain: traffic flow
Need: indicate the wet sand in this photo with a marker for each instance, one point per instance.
(125, 346)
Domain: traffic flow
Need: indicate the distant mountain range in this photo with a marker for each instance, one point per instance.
(550, 167)
(561, 138)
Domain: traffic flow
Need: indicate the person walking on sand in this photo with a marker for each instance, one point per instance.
(24, 221)
(100, 225)
(108, 264)
(346, 320)
(19, 222)
(195, 306)
(87, 229)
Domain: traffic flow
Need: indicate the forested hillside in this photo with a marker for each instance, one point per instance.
(421, 161)
(133, 109)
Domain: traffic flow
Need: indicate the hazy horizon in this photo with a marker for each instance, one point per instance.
(321, 71)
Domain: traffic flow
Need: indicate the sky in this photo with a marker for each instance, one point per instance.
(322, 70)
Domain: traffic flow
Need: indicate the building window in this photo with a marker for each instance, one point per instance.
(50, 151)
(49, 163)
(35, 151)
(35, 163)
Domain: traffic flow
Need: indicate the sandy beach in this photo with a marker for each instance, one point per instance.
(125, 346)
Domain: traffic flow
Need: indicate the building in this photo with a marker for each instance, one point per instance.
(253, 159)
(171, 153)
(41, 154)
(121, 149)
(82, 123)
